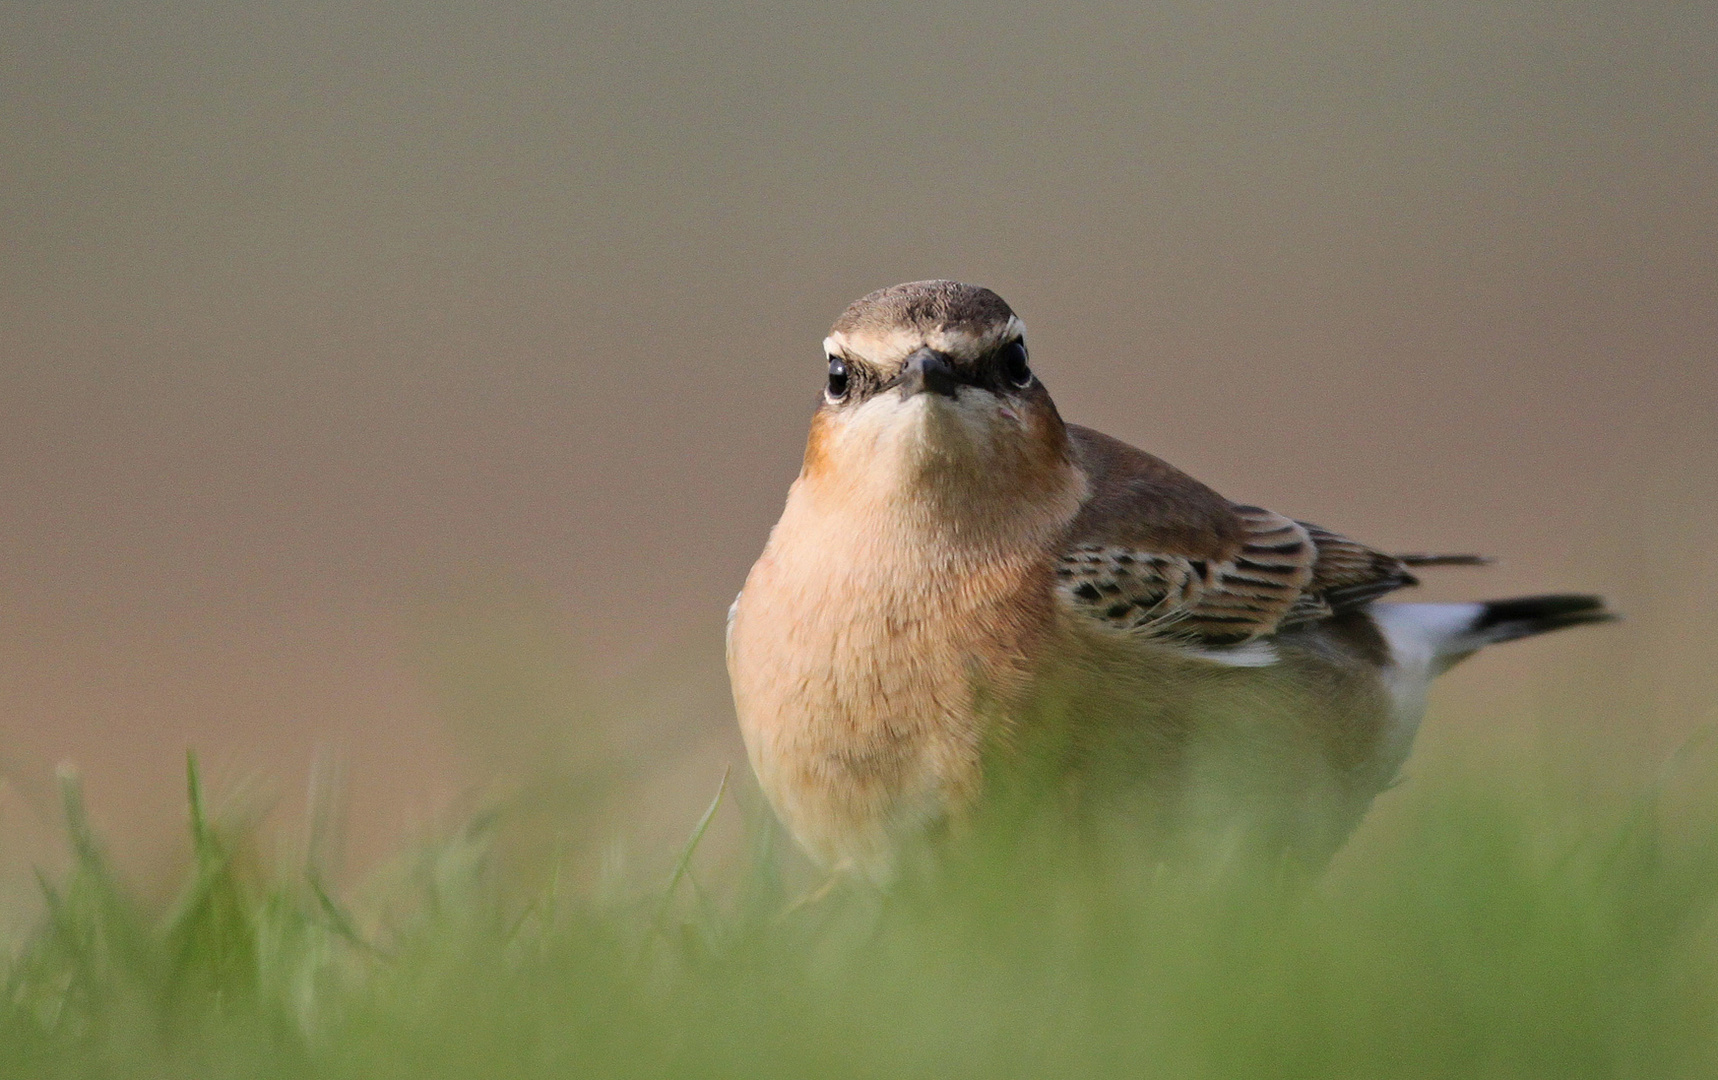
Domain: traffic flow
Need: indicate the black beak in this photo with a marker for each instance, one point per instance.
(929, 370)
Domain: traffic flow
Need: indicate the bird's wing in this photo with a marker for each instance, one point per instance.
(1157, 554)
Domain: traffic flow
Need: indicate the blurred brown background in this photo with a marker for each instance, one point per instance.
(342, 345)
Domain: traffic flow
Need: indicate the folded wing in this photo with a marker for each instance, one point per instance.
(1157, 554)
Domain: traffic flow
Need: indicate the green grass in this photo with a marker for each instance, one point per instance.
(1480, 932)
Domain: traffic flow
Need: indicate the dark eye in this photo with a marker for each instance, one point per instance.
(1013, 357)
(837, 378)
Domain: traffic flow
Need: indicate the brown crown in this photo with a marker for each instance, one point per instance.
(947, 305)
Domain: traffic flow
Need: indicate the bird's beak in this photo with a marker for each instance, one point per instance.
(927, 369)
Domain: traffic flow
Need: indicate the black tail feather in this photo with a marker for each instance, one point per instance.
(1524, 616)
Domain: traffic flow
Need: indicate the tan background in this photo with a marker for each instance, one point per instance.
(329, 332)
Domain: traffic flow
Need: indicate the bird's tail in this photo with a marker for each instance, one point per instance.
(1434, 637)
(1524, 616)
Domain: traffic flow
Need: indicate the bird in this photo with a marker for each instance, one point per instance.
(965, 594)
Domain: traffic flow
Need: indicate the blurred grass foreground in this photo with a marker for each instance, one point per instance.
(1490, 933)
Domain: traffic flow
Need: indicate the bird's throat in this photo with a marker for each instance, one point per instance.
(925, 474)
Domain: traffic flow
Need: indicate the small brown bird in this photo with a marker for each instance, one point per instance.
(962, 587)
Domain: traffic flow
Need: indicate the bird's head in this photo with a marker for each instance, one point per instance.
(930, 390)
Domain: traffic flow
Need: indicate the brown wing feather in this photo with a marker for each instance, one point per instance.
(1349, 573)
(1155, 552)
(1141, 502)
(1249, 593)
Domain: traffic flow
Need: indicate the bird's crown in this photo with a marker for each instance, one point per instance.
(925, 305)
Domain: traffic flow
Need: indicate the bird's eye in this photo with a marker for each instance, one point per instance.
(1013, 357)
(837, 378)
